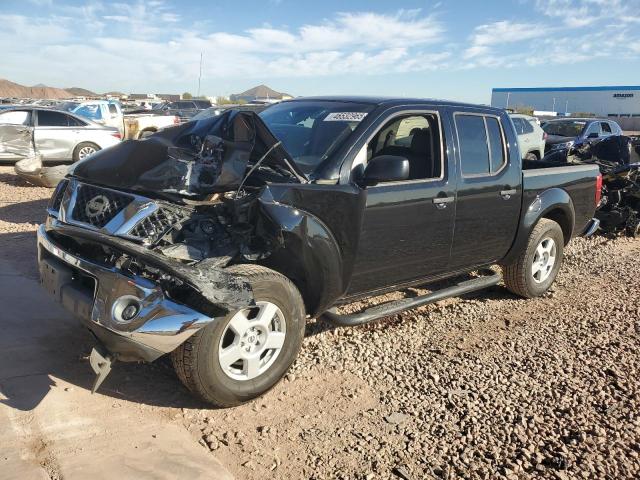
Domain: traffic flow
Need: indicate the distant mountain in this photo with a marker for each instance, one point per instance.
(81, 92)
(260, 92)
(11, 89)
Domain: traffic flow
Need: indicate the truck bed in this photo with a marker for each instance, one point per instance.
(575, 179)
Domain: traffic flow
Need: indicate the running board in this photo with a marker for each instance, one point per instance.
(391, 308)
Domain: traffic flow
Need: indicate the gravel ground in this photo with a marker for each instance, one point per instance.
(485, 386)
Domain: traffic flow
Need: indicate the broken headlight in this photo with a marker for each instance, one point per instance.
(56, 198)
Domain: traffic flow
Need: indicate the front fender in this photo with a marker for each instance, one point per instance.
(308, 255)
(553, 203)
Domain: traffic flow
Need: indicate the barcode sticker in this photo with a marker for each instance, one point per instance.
(345, 117)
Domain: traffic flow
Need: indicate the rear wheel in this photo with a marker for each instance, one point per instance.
(535, 269)
(83, 150)
(531, 156)
(241, 356)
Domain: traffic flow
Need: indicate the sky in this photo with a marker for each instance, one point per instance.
(437, 49)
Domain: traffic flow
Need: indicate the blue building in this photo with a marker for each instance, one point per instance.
(610, 101)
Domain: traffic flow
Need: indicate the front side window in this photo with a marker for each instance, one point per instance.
(606, 128)
(481, 144)
(15, 117)
(414, 137)
(311, 131)
(113, 108)
(593, 130)
(52, 119)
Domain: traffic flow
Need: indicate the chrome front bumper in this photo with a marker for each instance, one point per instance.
(98, 294)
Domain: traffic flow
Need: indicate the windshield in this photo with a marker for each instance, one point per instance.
(90, 111)
(68, 106)
(564, 128)
(312, 130)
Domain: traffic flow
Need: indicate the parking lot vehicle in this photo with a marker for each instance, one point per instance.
(102, 112)
(215, 240)
(573, 132)
(531, 137)
(184, 109)
(54, 135)
(141, 125)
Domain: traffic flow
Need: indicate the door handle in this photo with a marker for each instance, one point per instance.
(506, 194)
(441, 202)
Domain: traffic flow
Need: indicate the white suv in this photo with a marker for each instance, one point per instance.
(531, 137)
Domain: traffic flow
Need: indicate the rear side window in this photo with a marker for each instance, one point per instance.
(527, 127)
(606, 128)
(52, 119)
(519, 124)
(481, 144)
(496, 148)
(113, 108)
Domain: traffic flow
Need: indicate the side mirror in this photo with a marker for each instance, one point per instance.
(386, 168)
(593, 135)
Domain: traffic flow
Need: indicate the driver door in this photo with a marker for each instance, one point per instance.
(16, 135)
(407, 227)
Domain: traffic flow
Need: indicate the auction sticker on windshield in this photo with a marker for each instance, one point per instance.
(345, 117)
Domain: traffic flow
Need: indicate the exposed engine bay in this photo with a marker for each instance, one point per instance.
(184, 205)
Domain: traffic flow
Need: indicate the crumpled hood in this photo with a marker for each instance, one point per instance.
(194, 159)
(555, 139)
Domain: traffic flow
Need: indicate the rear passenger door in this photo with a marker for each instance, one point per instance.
(54, 138)
(489, 191)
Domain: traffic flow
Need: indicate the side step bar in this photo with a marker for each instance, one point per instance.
(391, 308)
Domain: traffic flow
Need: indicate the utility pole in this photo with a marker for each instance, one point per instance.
(566, 107)
(508, 95)
(199, 76)
(553, 109)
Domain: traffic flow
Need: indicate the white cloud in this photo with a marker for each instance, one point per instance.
(109, 46)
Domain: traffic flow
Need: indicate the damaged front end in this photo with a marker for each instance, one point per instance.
(139, 235)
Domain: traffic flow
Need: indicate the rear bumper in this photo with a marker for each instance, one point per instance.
(98, 296)
(591, 228)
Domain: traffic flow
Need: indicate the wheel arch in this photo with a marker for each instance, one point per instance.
(146, 129)
(554, 204)
(308, 254)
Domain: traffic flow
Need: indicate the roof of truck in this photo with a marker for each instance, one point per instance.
(389, 101)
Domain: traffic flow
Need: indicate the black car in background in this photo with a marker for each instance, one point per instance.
(566, 133)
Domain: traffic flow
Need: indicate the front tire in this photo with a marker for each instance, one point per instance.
(243, 355)
(536, 268)
(531, 156)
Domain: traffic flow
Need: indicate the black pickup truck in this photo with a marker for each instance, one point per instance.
(214, 241)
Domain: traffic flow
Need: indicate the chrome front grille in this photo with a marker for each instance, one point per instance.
(156, 225)
(116, 213)
(98, 206)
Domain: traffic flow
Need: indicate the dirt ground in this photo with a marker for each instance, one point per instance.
(484, 386)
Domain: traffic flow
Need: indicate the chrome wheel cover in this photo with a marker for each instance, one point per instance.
(252, 341)
(544, 259)
(84, 152)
